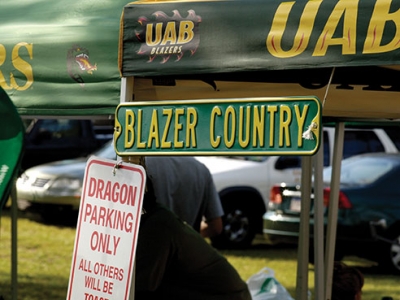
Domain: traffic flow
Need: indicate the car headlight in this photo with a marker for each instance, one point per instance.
(66, 186)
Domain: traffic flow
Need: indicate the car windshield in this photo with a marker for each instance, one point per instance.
(364, 170)
(107, 151)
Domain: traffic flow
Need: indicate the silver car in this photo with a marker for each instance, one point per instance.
(54, 188)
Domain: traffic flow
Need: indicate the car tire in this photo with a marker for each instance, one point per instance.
(239, 227)
(390, 256)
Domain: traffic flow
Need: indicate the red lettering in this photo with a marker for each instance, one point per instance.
(100, 187)
(105, 243)
(108, 286)
(92, 186)
(92, 297)
(115, 193)
(112, 191)
(88, 210)
(107, 191)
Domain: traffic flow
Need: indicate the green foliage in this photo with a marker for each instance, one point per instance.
(45, 252)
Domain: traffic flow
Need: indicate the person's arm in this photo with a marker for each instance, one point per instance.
(211, 228)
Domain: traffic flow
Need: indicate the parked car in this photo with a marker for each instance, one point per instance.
(49, 140)
(54, 188)
(244, 182)
(368, 222)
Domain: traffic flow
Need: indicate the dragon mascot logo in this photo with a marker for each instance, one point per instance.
(166, 36)
(78, 62)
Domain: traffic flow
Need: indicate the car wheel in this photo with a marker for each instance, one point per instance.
(238, 228)
(390, 259)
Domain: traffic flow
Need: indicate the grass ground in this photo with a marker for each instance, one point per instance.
(45, 251)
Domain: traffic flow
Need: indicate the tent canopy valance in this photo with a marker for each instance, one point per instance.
(203, 37)
(252, 48)
(61, 58)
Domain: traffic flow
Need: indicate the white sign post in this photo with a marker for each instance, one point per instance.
(107, 231)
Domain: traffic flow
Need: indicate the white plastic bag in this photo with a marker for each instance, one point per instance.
(264, 286)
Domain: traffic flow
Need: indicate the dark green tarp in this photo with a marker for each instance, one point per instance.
(203, 37)
(344, 52)
(11, 145)
(60, 58)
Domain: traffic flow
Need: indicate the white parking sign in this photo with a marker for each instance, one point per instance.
(107, 230)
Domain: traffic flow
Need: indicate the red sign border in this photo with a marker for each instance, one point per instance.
(120, 166)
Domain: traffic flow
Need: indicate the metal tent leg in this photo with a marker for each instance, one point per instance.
(318, 162)
(304, 233)
(333, 208)
(14, 251)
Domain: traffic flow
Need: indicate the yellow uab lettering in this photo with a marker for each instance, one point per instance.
(140, 144)
(3, 82)
(149, 34)
(169, 34)
(272, 110)
(153, 132)
(347, 9)
(191, 122)
(259, 125)
(300, 121)
(230, 118)
(22, 66)
(244, 130)
(185, 32)
(284, 131)
(164, 143)
(19, 64)
(178, 127)
(215, 141)
(301, 40)
(129, 128)
(380, 17)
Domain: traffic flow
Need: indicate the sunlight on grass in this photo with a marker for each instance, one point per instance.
(45, 252)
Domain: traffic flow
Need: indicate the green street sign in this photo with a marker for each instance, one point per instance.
(246, 126)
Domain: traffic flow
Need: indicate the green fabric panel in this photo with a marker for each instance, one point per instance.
(11, 145)
(256, 35)
(42, 43)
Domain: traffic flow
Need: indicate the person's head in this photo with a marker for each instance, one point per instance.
(347, 282)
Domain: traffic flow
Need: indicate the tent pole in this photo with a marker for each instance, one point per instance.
(14, 239)
(318, 163)
(126, 89)
(333, 208)
(304, 232)
(127, 96)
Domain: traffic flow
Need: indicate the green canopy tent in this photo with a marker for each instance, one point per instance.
(344, 52)
(224, 49)
(60, 58)
(11, 146)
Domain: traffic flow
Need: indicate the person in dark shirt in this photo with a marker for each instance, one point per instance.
(173, 261)
(186, 186)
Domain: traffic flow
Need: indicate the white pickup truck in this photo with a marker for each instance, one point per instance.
(244, 182)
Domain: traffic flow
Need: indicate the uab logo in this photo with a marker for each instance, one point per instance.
(166, 36)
